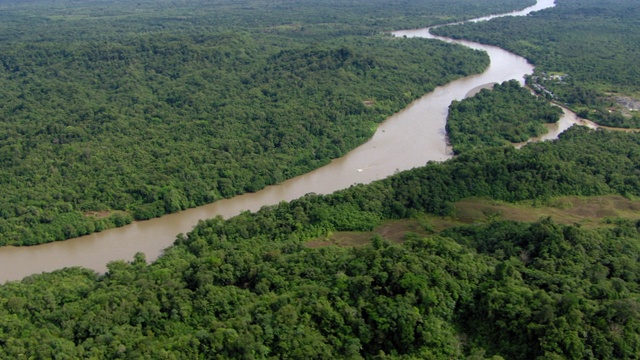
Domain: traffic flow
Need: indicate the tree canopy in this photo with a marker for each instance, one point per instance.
(249, 287)
(118, 111)
(98, 127)
(586, 54)
(506, 114)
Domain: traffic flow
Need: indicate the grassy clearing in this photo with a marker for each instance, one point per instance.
(594, 211)
(588, 211)
(394, 231)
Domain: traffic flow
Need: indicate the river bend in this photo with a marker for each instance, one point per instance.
(408, 139)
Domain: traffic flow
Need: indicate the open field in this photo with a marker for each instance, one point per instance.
(596, 211)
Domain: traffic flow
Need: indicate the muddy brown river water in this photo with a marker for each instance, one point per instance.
(406, 140)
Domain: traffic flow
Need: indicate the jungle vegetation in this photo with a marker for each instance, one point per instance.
(586, 54)
(508, 113)
(252, 287)
(249, 287)
(113, 110)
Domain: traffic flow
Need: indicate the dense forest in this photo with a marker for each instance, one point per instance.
(305, 20)
(508, 113)
(586, 54)
(113, 111)
(173, 125)
(249, 287)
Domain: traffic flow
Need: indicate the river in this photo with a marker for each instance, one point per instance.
(408, 139)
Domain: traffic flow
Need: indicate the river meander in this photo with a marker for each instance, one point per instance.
(406, 140)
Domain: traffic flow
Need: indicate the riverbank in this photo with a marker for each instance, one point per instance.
(406, 140)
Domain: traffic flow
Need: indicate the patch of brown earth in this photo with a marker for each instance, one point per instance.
(342, 238)
(396, 230)
(564, 210)
(98, 214)
(589, 212)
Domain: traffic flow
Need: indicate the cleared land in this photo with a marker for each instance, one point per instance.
(596, 211)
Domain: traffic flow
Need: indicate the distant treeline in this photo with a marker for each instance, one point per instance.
(306, 20)
(249, 288)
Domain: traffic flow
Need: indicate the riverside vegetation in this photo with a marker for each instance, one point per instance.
(506, 114)
(249, 287)
(114, 111)
(585, 52)
(259, 286)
